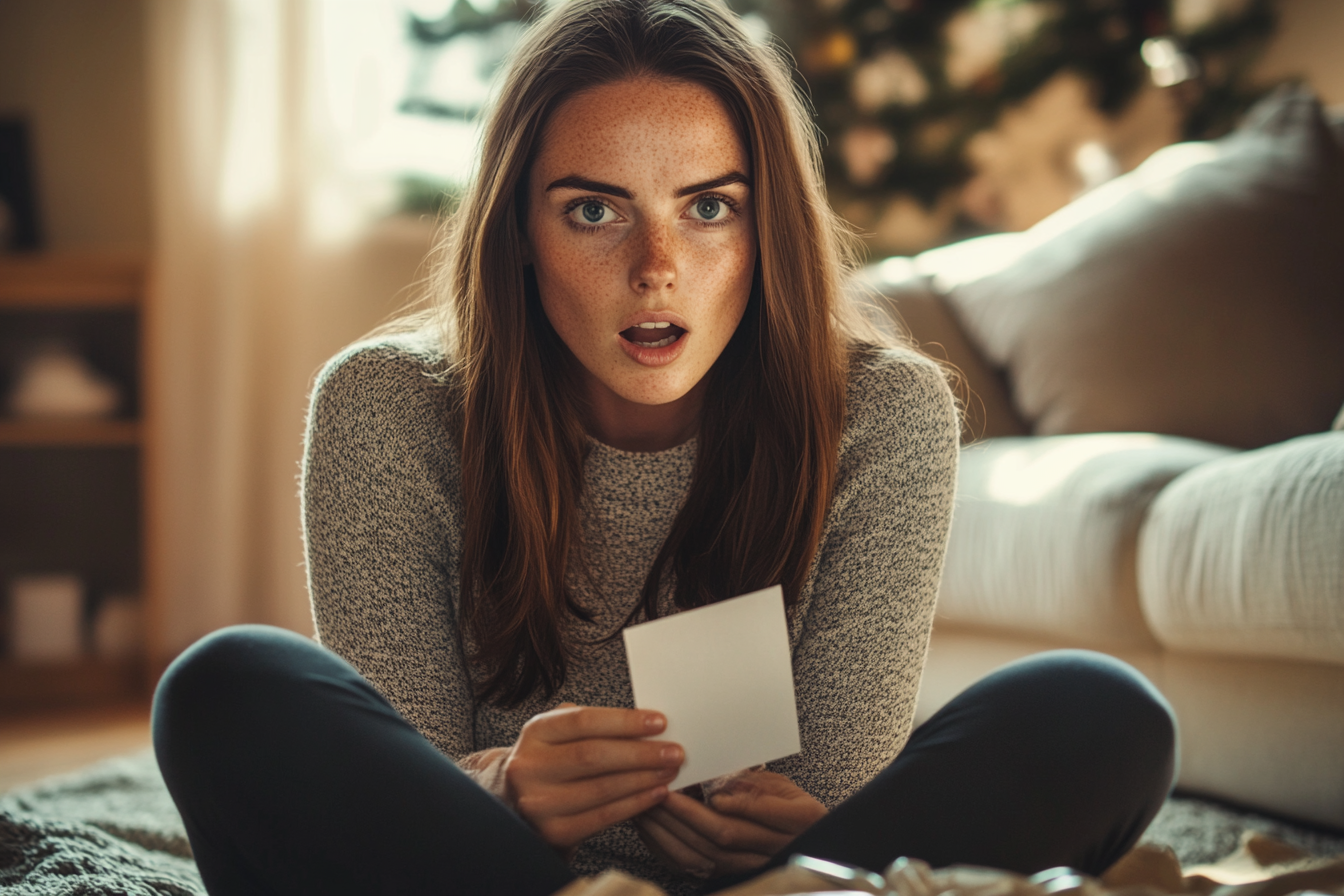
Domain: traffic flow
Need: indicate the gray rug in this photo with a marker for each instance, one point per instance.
(105, 830)
(1199, 832)
(111, 829)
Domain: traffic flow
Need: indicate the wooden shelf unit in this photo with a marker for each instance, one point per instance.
(25, 687)
(71, 280)
(55, 433)
(84, 289)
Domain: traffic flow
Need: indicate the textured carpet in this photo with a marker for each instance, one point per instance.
(106, 830)
(111, 829)
(1199, 831)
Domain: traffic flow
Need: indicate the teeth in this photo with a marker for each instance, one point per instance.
(654, 325)
(660, 343)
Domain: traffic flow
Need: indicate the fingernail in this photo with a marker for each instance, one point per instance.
(655, 722)
(671, 753)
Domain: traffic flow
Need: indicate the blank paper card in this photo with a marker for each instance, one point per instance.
(723, 676)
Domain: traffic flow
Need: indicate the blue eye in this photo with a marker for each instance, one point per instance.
(592, 212)
(710, 209)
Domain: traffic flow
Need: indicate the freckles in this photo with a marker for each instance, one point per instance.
(648, 139)
(725, 259)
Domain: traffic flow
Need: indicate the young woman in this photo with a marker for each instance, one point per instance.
(647, 395)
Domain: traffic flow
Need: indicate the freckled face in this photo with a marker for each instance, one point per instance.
(640, 230)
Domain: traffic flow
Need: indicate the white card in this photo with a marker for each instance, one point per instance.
(723, 676)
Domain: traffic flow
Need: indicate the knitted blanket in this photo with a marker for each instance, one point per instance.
(106, 830)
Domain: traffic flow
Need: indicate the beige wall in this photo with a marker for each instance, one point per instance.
(77, 69)
(1310, 43)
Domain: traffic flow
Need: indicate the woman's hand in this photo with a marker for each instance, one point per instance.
(575, 771)
(750, 818)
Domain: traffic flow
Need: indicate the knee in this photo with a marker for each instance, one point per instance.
(221, 663)
(204, 690)
(1112, 687)
(1082, 694)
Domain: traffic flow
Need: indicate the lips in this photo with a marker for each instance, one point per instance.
(654, 339)
(653, 334)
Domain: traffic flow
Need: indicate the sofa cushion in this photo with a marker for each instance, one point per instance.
(1044, 531)
(1200, 295)
(1245, 555)
(901, 303)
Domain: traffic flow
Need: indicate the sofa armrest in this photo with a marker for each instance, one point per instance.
(1244, 556)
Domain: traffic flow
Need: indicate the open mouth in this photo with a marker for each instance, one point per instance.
(651, 334)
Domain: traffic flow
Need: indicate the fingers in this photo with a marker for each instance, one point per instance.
(585, 760)
(769, 799)
(692, 851)
(672, 851)
(583, 796)
(570, 830)
(575, 771)
(547, 786)
(684, 833)
(707, 830)
(787, 816)
(568, 722)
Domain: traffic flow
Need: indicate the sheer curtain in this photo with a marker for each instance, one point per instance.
(268, 259)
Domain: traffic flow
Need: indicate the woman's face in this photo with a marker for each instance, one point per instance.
(641, 233)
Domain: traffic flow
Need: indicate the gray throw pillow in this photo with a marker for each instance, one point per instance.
(1201, 295)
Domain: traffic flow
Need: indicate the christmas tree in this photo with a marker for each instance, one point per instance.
(914, 94)
(927, 107)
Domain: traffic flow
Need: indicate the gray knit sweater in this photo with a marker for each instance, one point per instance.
(382, 523)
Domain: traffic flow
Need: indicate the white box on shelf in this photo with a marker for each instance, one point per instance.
(46, 618)
(116, 627)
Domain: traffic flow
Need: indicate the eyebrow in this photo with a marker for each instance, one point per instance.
(574, 182)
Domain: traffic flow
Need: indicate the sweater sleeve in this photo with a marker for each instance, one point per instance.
(381, 529)
(865, 633)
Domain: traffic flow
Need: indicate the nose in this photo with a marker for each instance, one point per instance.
(655, 267)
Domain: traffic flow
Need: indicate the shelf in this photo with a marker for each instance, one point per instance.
(72, 490)
(71, 280)
(81, 681)
(69, 433)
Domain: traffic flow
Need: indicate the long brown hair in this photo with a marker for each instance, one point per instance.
(770, 427)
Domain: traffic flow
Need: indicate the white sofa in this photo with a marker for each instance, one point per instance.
(1219, 574)
(1150, 378)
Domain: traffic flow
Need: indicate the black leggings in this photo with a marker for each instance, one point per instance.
(293, 775)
